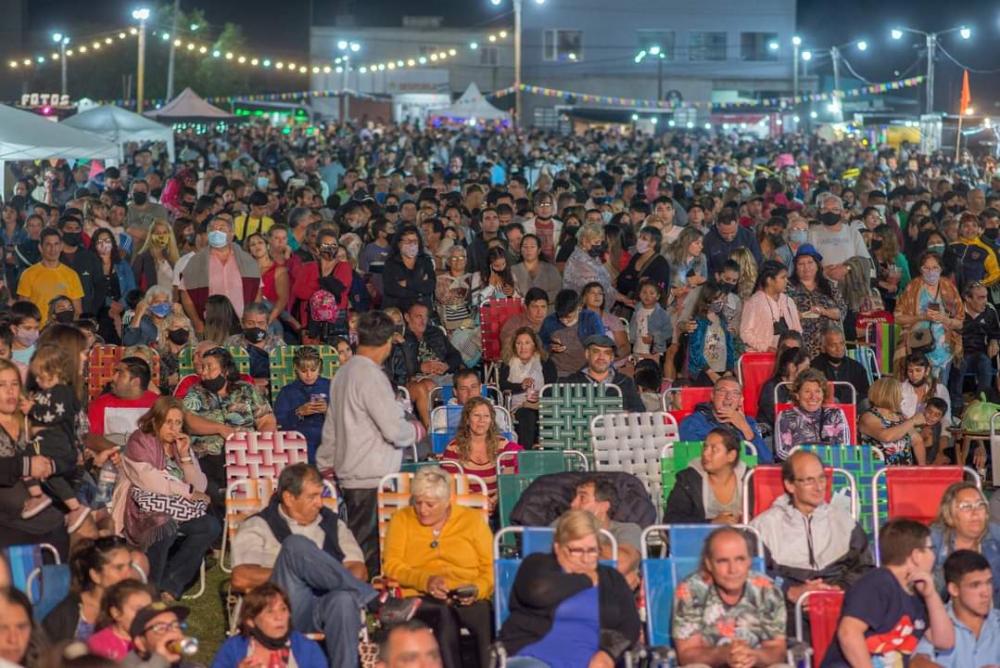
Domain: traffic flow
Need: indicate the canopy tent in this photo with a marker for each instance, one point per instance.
(472, 105)
(27, 136)
(188, 107)
(122, 126)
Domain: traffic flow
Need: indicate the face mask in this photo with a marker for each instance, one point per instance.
(179, 336)
(71, 239)
(103, 247)
(161, 240)
(931, 276)
(409, 250)
(776, 239)
(727, 288)
(160, 310)
(606, 215)
(189, 239)
(936, 248)
(254, 334)
(65, 317)
(991, 233)
(641, 246)
(745, 193)
(597, 250)
(875, 245)
(213, 385)
(798, 236)
(269, 643)
(829, 218)
(26, 338)
(263, 182)
(957, 208)
(217, 239)
(716, 307)
(140, 197)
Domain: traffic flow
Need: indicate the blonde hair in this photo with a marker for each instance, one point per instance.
(748, 271)
(574, 525)
(886, 393)
(431, 481)
(590, 231)
(946, 515)
(171, 252)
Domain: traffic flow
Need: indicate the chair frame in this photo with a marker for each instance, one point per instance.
(834, 470)
(515, 453)
(800, 640)
(875, 505)
(653, 487)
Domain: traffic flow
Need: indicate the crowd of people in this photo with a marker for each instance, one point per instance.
(647, 263)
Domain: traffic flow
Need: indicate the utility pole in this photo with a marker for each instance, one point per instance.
(517, 63)
(931, 48)
(835, 56)
(173, 50)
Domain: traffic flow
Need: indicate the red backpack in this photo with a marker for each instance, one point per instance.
(323, 307)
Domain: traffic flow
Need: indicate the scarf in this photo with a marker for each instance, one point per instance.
(519, 371)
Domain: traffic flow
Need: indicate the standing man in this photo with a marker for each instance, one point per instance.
(49, 278)
(980, 345)
(85, 263)
(726, 236)
(835, 240)
(365, 430)
(221, 269)
(141, 211)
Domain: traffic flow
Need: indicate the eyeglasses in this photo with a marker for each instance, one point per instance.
(729, 393)
(579, 552)
(975, 507)
(163, 627)
(812, 482)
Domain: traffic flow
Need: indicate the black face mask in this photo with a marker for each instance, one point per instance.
(597, 250)
(65, 317)
(829, 218)
(213, 385)
(269, 643)
(254, 334)
(991, 233)
(727, 288)
(875, 245)
(140, 197)
(957, 208)
(72, 239)
(776, 239)
(179, 336)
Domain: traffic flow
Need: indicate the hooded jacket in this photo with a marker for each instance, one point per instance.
(689, 497)
(827, 544)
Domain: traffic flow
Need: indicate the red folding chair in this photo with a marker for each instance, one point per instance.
(101, 370)
(680, 402)
(492, 316)
(764, 485)
(914, 492)
(753, 371)
(824, 616)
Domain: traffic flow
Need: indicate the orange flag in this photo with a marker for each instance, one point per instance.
(966, 101)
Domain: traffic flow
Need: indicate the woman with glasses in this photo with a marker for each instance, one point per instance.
(963, 523)
(93, 568)
(442, 552)
(566, 608)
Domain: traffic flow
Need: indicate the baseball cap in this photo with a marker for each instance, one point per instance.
(153, 610)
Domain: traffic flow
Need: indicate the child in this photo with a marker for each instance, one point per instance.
(932, 432)
(650, 327)
(121, 601)
(52, 406)
(301, 405)
(648, 379)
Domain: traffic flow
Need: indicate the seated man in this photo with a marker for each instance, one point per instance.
(977, 623)
(724, 613)
(598, 497)
(536, 307)
(430, 358)
(115, 414)
(257, 342)
(834, 363)
(891, 608)
(811, 545)
(465, 385)
(725, 410)
(309, 552)
(155, 629)
(980, 345)
(599, 351)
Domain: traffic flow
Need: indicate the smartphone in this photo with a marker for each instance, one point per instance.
(465, 591)
(933, 306)
(317, 397)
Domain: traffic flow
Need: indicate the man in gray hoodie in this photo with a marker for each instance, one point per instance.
(365, 430)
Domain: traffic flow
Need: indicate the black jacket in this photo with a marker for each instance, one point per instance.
(718, 250)
(631, 401)
(419, 283)
(847, 371)
(686, 503)
(87, 265)
(549, 374)
(541, 585)
(438, 343)
(61, 623)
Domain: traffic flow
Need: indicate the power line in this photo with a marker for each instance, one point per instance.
(965, 67)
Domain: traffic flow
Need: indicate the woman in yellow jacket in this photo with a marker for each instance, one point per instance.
(442, 552)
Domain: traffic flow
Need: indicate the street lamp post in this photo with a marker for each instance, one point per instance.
(931, 41)
(346, 48)
(62, 41)
(141, 15)
(796, 43)
(173, 50)
(517, 55)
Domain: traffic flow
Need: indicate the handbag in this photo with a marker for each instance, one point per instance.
(920, 340)
(177, 507)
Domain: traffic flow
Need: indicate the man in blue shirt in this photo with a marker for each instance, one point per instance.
(725, 410)
(969, 580)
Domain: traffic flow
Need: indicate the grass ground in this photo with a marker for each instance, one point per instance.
(207, 621)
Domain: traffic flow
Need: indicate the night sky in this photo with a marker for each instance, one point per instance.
(821, 24)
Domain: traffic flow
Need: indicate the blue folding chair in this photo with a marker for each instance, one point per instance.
(445, 419)
(46, 584)
(534, 540)
(661, 575)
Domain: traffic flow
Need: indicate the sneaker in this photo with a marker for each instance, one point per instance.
(75, 518)
(397, 610)
(35, 505)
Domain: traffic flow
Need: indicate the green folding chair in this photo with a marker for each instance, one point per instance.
(566, 410)
(282, 367)
(676, 456)
(185, 360)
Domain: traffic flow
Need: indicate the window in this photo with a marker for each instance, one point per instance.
(757, 45)
(489, 55)
(649, 39)
(562, 45)
(707, 46)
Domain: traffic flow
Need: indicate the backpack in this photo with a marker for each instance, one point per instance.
(323, 307)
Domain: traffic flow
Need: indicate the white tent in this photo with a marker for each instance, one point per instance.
(472, 105)
(122, 126)
(27, 136)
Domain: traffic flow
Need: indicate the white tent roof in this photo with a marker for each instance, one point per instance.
(472, 104)
(27, 136)
(122, 126)
(190, 107)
